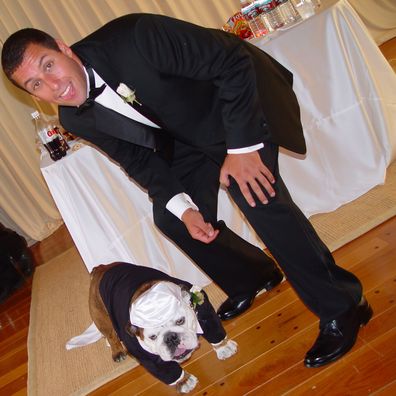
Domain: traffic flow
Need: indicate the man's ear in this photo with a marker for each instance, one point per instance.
(64, 48)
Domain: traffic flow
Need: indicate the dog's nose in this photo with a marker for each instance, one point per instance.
(172, 339)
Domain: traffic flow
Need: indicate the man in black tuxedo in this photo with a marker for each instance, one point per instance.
(207, 108)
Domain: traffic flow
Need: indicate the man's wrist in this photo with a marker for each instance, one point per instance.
(179, 204)
(245, 150)
(186, 212)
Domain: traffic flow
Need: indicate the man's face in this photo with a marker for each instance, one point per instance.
(52, 76)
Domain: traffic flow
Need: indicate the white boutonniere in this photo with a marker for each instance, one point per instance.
(197, 297)
(127, 94)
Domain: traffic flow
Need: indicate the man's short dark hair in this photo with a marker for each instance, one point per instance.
(15, 46)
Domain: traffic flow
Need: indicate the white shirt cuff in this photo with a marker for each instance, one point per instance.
(244, 150)
(179, 204)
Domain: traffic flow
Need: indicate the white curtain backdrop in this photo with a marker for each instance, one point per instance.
(379, 16)
(25, 202)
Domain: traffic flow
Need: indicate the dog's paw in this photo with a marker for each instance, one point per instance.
(225, 349)
(119, 357)
(187, 383)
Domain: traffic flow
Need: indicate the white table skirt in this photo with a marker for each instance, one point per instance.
(347, 93)
(109, 217)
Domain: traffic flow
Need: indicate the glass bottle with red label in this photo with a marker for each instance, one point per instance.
(49, 136)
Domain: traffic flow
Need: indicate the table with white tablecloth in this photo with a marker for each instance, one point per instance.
(347, 93)
(108, 216)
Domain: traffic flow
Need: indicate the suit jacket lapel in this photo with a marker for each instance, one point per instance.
(113, 123)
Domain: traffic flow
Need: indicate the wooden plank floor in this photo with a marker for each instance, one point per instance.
(273, 335)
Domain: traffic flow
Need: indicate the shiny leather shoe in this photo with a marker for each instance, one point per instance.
(338, 336)
(233, 307)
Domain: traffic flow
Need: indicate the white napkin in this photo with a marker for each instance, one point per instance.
(89, 336)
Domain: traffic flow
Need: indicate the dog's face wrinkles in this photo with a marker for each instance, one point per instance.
(174, 340)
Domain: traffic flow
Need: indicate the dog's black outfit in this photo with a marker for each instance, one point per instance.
(117, 287)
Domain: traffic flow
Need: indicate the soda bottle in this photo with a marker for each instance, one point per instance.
(49, 136)
(55, 125)
(304, 7)
(287, 11)
(270, 14)
(251, 14)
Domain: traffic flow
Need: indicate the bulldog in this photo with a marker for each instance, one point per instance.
(156, 318)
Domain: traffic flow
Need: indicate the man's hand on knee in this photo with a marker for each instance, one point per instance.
(250, 173)
(197, 227)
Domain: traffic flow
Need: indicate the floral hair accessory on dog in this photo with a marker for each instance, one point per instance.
(197, 297)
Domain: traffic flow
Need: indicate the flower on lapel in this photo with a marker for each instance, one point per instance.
(127, 94)
(197, 297)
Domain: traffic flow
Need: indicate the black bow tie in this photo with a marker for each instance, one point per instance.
(94, 92)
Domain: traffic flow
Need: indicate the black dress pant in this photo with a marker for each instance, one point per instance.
(234, 264)
(327, 289)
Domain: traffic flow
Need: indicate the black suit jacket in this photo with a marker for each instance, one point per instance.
(206, 87)
(117, 287)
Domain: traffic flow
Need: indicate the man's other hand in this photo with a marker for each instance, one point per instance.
(248, 171)
(197, 227)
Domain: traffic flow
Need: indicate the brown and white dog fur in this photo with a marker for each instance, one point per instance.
(99, 315)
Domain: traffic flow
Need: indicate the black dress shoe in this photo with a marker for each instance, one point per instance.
(338, 336)
(233, 307)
